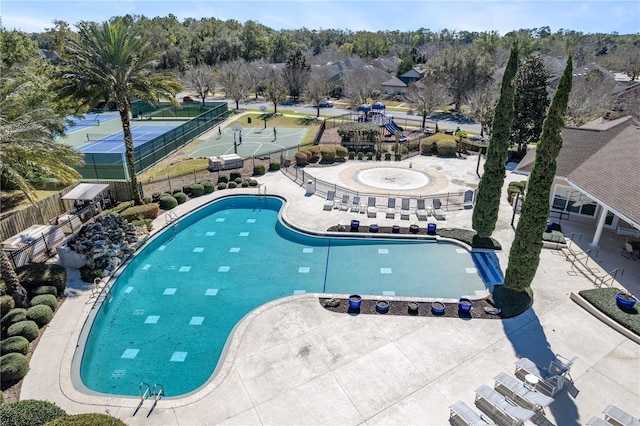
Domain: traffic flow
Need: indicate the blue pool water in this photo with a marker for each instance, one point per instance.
(175, 304)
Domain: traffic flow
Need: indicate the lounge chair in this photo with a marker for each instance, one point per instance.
(521, 393)
(404, 210)
(344, 203)
(355, 204)
(597, 421)
(328, 203)
(438, 213)
(500, 406)
(550, 380)
(460, 410)
(628, 251)
(615, 415)
(421, 210)
(391, 208)
(372, 210)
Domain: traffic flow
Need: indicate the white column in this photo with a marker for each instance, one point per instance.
(601, 221)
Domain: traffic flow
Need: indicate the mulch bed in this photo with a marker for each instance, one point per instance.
(381, 230)
(400, 307)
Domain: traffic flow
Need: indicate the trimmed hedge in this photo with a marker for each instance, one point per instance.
(301, 158)
(167, 202)
(13, 367)
(6, 304)
(328, 153)
(13, 316)
(44, 289)
(93, 419)
(180, 197)
(208, 186)
(27, 329)
(88, 275)
(40, 314)
(30, 412)
(258, 170)
(145, 211)
(341, 152)
(45, 299)
(194, 190)
(14, 344)
(253, 182)
(119, 208)
(232, 185)
(446, 147)
(470, 237)
(222, 185)
(238, 180)
(234, 175)
(35, 275)
(223, 179)
(245, 184)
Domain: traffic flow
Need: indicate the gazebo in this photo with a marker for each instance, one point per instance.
(85, 195)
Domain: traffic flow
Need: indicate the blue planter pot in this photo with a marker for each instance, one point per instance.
(355, 301)
(431, 229)
(625, 303)
(395, 229)
(438, 308)
(414, 229)
(355, 225)
(382, 306)
(465, 305)
(373, 228)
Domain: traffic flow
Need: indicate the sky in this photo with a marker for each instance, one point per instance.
(586, 16)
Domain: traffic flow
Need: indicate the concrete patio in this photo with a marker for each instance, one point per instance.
(293, 362)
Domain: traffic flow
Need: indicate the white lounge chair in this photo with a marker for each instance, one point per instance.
(372, 210)
(391, 208)
(521, 393)
(619, 416)
(461, 411)
(404, 210)
(328, 203)
(355, 204)
(438, 213)
(501, 406)
(551, 380)
(421, 210)
(344, 203)
(597, 421)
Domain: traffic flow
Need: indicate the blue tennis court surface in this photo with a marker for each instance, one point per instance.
(89, 120)
(114, 142)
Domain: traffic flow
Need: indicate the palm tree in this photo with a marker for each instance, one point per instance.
(27, 141)
(115, 61)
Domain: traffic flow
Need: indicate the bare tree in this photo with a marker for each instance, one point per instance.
(318, 87)
(201, 80)
(233, 81)
(426, 96)
(590, 98)
(362, 84)
(482, 103)
(628, 61)
(256, 76)
(276, 90)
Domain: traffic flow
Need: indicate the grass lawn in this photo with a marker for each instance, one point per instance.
(15, 200)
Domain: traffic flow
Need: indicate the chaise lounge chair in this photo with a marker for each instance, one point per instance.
(404, 210)
(344, 203)
(391, 208)
(550, 380)
(355, 204)
(500, 406)
(521, 393)
(328, 203)
(438, 213)
(615, 415)
(421, 210)
(372, 210)
(468, 415)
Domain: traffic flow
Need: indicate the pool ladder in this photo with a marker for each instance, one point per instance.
(145, 392)
(172, 219)
(262, 196)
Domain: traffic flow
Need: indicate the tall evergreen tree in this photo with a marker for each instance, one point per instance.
(524, 256)
(485, 213)
(296, 74)
(530, 101)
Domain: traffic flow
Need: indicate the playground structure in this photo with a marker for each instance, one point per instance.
(376, 114)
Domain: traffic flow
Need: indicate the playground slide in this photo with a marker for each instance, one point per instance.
(393, 128)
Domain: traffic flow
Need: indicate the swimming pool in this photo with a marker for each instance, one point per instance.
(175, 304)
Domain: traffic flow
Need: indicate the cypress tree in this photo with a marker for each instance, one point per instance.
(524, 256)
(485, 212)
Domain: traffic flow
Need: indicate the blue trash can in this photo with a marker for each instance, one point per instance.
(431, 228)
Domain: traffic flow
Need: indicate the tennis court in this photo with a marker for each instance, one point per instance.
(114, 142)
(89, 120)
(251, 142)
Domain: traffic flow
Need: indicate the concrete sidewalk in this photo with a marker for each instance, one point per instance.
(293, 362)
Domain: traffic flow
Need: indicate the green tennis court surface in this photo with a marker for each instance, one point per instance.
(250, 142)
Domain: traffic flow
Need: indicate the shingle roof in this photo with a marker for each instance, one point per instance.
(603, 159)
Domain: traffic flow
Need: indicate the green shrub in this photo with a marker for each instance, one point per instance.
(175, 191)
(313, 153)
(387, 156)
(412, 146)
(14, 344)
(328, 153)
(156, 196)
(341, 152)
(6, 304)
(45, 299)
(167, 202)
(222, 185)
(469, 237)
(519, 184)
(120, 207)
(370, 155)
(238, 180)
(253, 182)
(446, 147)
(13, 316)
(44, 289)
(604, 299)
(232, 185)
(208, 186)
(88, 275)
(187, 189)
(13, 367)
(35, 275)
(398, 157)
(196, 190)
(180, 197)
(511, 193)
(360, 156)
(301, 158)
(378, 156)
(223, 179)
(234, 175)
(30, 412)
(146, 223)
(40, 314)
(147, 200)
(27, 329)
(89, 419)
(258, 170)
(145, 211)
(274, 166)
(352, 155)
(245, 184)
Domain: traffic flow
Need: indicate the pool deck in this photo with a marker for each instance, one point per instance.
(293, 362)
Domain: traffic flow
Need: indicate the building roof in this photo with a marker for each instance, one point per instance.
(394, 82)
(601, 158)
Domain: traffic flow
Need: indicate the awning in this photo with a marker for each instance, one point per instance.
(85, 191)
